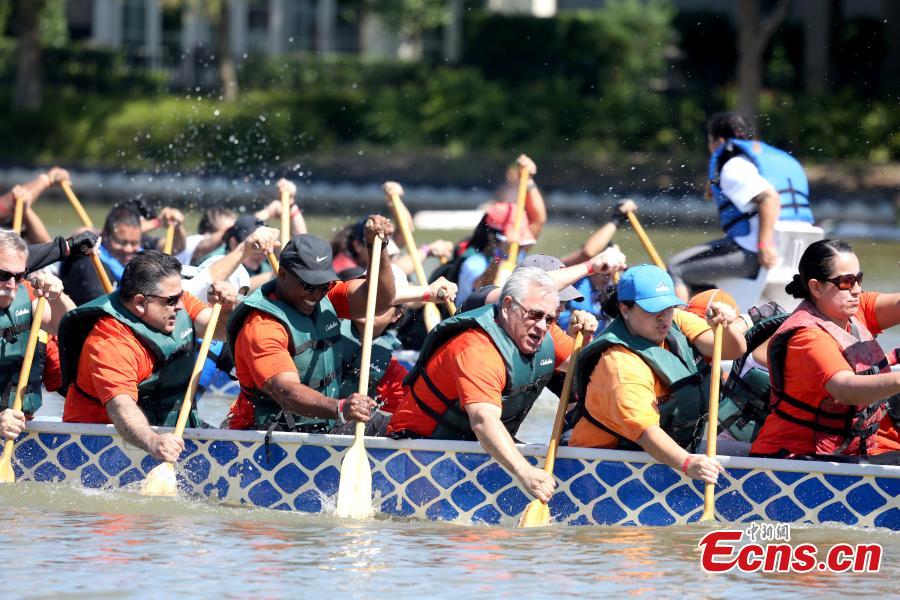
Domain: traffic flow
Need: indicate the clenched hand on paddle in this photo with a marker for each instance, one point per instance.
(354, 499)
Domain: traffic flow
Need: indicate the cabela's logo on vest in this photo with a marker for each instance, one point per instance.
(21, 312)
(331, 326)
(186, 333)
(546, 361)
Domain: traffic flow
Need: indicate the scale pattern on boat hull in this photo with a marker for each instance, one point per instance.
(301, 473)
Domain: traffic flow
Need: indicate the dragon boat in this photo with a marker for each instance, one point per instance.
(458, 481)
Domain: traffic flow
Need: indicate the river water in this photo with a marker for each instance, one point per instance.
(60, 541)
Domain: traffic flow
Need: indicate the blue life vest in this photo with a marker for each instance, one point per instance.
(778, 167)
(112, 264)
(591, 304)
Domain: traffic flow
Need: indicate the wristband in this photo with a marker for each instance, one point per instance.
(762, 245)
(684, 465)
(589, 264)
(425, 249)
(340, 411)
(426, 295)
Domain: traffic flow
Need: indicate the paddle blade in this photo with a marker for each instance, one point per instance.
(7, 475)
(354, 499)
(537, 514)
(160, 481)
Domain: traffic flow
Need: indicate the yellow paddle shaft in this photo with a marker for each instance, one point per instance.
(170, 239)
(36, 318)
(285, 218)
(188, 401)
(85, 219)
(368, 327)
(273, 262)
(709, 509)
(101, 274)
(563, 405)
(512, 258)
(18, 212)
(645, 240)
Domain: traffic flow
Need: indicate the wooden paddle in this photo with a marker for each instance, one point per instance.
(85, 219)
(18, 212)
(645, 240)
(7, 475)
(354, 499)
(160, 480)
(537, 513)
(170, 239)
(285, 218)
(101, 273)
(273, 262)
(512, 260)
(709, 509)
(429, 311)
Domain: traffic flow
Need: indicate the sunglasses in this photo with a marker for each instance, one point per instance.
(534, 315)
(322, 287)
(168, 300)
(846, 282)
(7, 275)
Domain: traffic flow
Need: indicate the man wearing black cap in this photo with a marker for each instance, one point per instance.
(284, 339)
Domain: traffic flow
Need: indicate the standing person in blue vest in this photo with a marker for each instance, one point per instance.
(121, 240)
(754, 186)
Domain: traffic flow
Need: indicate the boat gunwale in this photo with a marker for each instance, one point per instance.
(535, 450)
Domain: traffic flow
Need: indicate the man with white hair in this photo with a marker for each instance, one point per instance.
(480, 372)
(18, 299)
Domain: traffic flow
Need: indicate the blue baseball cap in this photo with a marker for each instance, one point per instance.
(649, 287)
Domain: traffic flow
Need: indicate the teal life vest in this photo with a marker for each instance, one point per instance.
(526, 374)
(778, 167)
(683, 410)
(159, 396)
(15, 326)
(382, 352)
(314, 345)
(744, 405)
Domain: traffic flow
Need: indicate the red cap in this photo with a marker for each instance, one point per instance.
(501, 217)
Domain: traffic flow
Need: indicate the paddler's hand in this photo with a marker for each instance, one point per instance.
(442, 289)
(720, 313)
(223, 293)
(582, 321)
(524, 162)
(21, 193)
(392, 188)
(378, 225)
(442, 249)
(171, 216)
(12, 423)
(261, 241)
(166, 447)
(284, 185)
(46, 285)
(768, 256)
(58, 175)
(703, 468)
(609, 262)
(537, 481)
(356, 407)
(83, 243)
(626, 206)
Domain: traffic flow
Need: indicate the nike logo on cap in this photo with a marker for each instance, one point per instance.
(321, 258)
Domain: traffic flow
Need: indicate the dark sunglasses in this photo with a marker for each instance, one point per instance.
(322, 287)
(534, 315)
(168, 300)
(846, 282)
(6, 275)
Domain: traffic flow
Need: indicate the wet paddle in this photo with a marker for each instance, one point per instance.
(537, 513)
(512, 260)
(429, 311)
(7, 475)
(354, 499)
(285, 218)
(709, 509)
(18, 212)
(85, 219)
(645, 240)
(101, 273)
(160, 480)
(273, 262)
(170, 239)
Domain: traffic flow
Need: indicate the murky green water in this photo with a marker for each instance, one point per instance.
(59, 541)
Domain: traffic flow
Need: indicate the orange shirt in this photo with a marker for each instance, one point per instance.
(623, 390)
(813, 358)
(261, 351)
(391, 389)
(113, 362)
(468, 367)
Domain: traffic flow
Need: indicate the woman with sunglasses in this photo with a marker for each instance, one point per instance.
(639, 385)
(831, 381)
